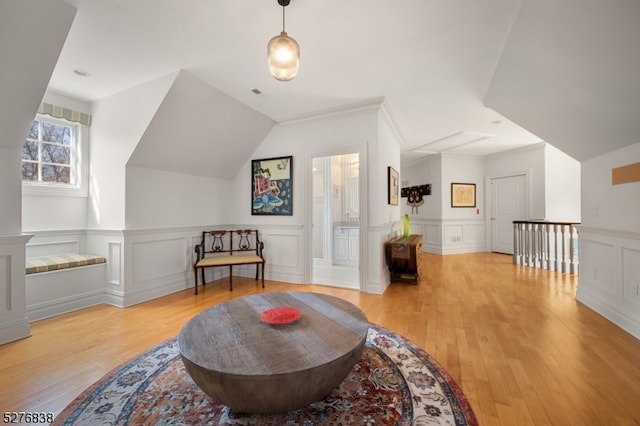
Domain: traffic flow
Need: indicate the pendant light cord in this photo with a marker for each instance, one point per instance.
(283, 18)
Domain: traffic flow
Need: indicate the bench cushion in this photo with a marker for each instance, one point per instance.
(229, 260)
(61, 261)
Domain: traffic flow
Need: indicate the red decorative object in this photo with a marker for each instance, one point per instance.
(280, 315)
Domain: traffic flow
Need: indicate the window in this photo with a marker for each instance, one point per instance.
(49, 155)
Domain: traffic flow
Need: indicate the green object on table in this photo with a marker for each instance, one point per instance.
(406, 230)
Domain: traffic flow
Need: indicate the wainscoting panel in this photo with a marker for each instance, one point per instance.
(631, 274)
(432, 235)
(53, 293)
(474, 234)
(599, 265)
(378, 278)
(451, 236)
(14, 324)
(610, 275)
(5, 287)
(114, 267)
(154, 260)
(283, 251)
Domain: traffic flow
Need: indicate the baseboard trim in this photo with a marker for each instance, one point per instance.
(596, 303)
(52, 308)
(15, 330)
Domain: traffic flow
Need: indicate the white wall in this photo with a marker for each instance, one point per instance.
(286, 237)
(562, 186)
(610, 241)
(427, 220)
(422, 172)
(610, 206)
(199, 130)
(119, 122)
(553, 176)
(59, 208)
(10, 191)
(44, 212)
(445, 229)
(463, 228)
(553, 185)
(160, 199)
(461, 169)
(297, 139)
(28, 59)
(384, 220)
(385, 153)
(529, 161)
(570, 73)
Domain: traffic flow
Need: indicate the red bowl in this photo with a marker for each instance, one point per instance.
(280, 315)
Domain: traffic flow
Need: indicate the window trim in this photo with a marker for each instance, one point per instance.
(79, 166)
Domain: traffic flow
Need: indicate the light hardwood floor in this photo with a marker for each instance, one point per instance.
(514, 338)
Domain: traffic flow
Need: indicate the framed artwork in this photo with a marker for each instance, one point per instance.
(272, 186)
(463, 195)
(393, 186)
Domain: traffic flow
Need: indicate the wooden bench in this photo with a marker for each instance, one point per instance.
(228, 248)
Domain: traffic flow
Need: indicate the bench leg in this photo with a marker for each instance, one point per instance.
(195, 275)
(263, 263)
(230, 278)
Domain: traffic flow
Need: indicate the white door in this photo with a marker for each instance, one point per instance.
(508, 203)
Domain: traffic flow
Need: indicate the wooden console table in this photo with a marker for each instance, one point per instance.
(403, 258)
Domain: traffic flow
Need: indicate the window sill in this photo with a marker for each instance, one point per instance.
(53, 190)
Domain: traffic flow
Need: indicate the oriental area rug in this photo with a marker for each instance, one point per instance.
(394, 383)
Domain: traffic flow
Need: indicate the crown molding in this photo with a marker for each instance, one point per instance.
(368, 105)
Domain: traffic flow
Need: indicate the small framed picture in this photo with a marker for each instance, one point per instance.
(393, 186)
(272, 186)
(463, 195)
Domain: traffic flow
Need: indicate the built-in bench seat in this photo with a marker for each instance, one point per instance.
(228, 248)
(61, 261)
(61, 283)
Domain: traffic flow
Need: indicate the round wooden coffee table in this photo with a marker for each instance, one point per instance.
(255, 367)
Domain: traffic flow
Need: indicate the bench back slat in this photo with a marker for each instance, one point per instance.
(228, 242)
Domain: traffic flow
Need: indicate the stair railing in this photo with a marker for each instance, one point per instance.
(546, 245)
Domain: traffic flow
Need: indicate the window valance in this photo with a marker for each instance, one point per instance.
(66, 113)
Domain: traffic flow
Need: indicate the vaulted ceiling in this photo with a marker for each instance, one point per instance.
(456, 75)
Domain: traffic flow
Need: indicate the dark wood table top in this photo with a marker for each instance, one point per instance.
(230, 338)
(414, 239)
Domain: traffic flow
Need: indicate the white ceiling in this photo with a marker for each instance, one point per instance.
(432, 61)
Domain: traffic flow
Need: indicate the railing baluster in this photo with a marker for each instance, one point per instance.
(532, 248)
(554, 262)
(520, 243)
(528, 238)
(574, 250)
(548, 246)
(516, 244)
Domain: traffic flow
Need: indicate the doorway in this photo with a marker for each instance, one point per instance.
(335, 219)
(508, 203)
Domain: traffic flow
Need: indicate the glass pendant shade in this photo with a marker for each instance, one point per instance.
(284, 57)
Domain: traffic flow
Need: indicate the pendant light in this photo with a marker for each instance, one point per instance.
(283, 53)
